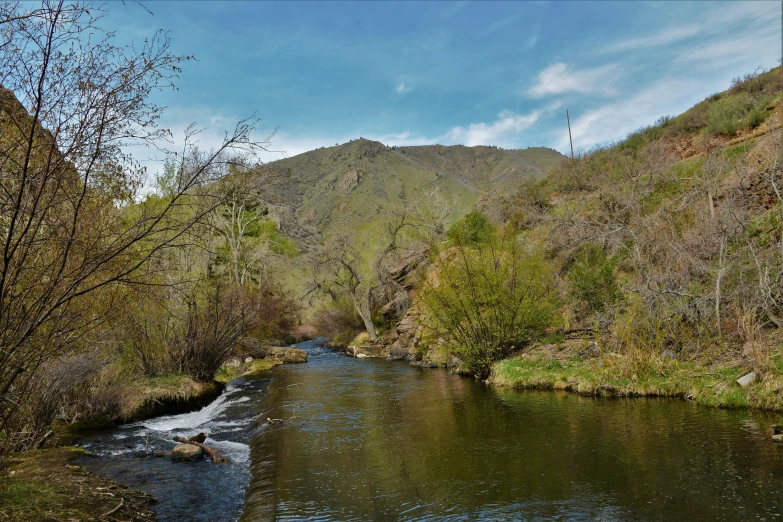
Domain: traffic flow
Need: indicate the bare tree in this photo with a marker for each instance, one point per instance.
(72, 105)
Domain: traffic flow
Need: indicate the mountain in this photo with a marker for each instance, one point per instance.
(343, 188)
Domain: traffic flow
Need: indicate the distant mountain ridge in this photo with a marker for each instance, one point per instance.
(343, 188)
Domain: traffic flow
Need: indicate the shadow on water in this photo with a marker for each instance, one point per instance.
(373, 440)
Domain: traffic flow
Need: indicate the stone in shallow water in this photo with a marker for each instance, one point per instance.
(187, 453)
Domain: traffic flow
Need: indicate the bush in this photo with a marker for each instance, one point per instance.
(212, 330)
(734, 113)
(592, 278)
(473, 229)
(489, 300)
(338, 321)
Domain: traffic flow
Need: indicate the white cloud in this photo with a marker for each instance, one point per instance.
(560, 78)
(615, 120)
(667, 36)
(500, 132)
(403, 87)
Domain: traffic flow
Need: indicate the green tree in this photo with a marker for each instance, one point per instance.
(489, 299)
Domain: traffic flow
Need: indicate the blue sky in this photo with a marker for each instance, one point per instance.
(450, 72)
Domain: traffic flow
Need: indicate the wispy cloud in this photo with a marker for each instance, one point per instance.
(507, 126)
(614, 120)
(560, 78)
(403, 87)
(667, 36)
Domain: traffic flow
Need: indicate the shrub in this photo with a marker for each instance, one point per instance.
(592, 278)
(489, 300)
(338, 321)
(734, 113)
(212, 330)
(473, 229)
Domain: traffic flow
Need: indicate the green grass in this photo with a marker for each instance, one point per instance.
(704, 384)
(22, 496)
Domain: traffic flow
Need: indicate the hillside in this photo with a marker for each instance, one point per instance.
(343, 188)
(666, 251)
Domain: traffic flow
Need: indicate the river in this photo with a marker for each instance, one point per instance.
(378, 440)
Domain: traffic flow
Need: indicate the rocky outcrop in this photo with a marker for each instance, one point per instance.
(365, 351)
(287, 355)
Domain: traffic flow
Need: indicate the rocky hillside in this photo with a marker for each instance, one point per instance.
(343, 188)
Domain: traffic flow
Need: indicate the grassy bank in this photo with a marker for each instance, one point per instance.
(45, 485)
(628, 376)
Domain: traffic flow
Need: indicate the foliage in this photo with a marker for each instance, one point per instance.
(734, 113)
(338, 321)
(592, 277)
(473, 229)
(490, 299)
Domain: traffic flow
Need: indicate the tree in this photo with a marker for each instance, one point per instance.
(72, 105)
(489, 298)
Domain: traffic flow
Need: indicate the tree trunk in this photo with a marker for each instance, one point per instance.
(365, 312)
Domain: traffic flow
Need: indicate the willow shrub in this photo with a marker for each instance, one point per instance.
(488, 299)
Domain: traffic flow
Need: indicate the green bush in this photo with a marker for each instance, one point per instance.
(473, 229)
(489, 300)
(734, 113)
(592, 278)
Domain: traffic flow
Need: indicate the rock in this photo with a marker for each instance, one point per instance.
(370, 350)
(747, 380)
(398, 350)
(778, 438)
(362, 356)
(290, 355)
(187, 453)
(248, 360)
(232, 363)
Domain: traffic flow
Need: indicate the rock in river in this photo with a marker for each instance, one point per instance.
(187, 453)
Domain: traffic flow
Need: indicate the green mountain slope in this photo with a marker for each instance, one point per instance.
(344, 188)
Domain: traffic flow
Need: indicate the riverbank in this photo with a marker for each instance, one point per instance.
(45, 485)
(706, 383)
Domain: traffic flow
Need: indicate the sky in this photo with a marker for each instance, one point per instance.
(471, 73)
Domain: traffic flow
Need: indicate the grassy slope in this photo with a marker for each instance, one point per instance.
(708, 379)
(314, 196)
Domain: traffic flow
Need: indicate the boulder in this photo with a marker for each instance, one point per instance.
(747, 380)
(369, 350)
(248, 360)
(289, 355)
(232, 363)
(778, 438)
(187, 453)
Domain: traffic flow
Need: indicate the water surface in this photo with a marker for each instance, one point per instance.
(375, 440)
(378, 440)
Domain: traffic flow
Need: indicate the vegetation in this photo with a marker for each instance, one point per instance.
(105, 284)
(490, 296)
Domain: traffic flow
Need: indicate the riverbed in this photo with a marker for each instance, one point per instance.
(377, 440)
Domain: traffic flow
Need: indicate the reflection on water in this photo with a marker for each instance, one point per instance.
(374, 440)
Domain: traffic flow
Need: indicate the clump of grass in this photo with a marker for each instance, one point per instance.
(643, 376)
(17, 496)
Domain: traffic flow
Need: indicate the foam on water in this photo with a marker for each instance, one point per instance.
(195, 419)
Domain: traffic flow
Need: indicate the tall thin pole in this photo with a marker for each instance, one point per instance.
(569, 134)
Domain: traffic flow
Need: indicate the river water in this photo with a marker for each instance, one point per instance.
(377, 440)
